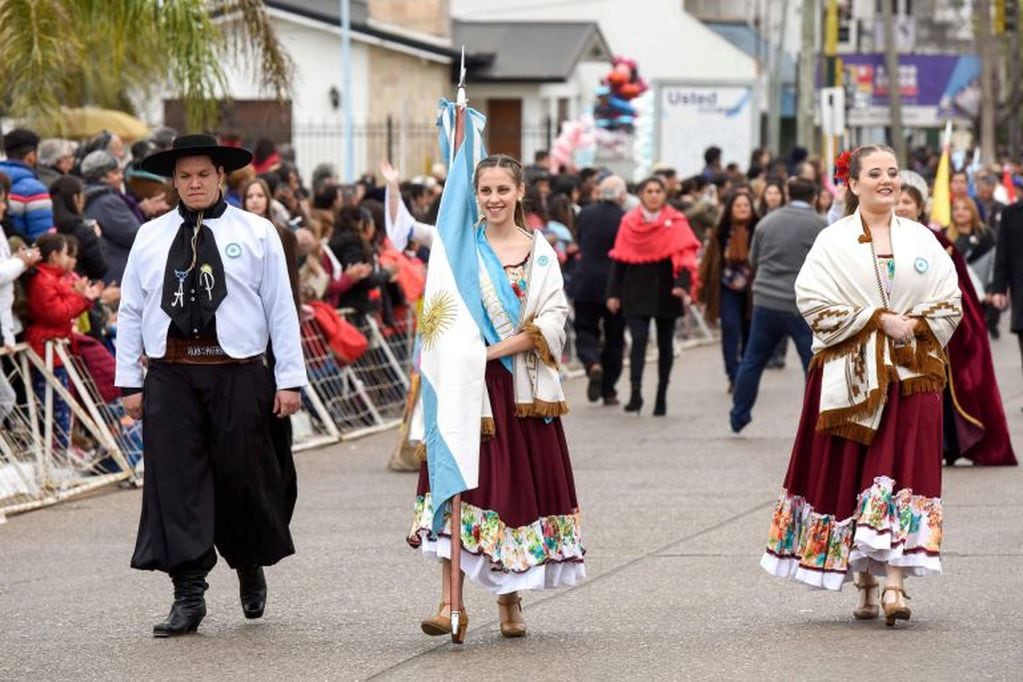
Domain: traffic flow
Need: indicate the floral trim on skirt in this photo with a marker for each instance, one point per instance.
(889, 527)
(516, 550)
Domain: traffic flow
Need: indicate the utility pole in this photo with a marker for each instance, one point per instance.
(774, 96)
(891, 54)
(985, 48)
(348, 106)
(805, 129)
(1012, 12)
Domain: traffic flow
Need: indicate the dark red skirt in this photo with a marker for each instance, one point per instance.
(521, 525)
(851, 507)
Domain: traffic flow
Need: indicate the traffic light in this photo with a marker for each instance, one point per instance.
(1010, 15)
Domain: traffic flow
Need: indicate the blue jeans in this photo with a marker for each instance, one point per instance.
(734, 328)
(767, 329)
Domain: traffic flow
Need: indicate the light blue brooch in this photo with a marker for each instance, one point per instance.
(542, 261)
(921, 265)
(233, 250)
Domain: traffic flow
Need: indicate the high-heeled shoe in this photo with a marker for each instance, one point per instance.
(661, 403)
(510, 628)
(440, 624)
(635, 403)
(897, 608)
(868, 608)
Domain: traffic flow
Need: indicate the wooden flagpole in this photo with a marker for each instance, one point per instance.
(458, 626)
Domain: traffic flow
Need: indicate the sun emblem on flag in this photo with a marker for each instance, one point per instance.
(438, 316)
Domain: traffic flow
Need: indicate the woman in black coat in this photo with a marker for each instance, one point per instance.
(652, 267)
(68, 194)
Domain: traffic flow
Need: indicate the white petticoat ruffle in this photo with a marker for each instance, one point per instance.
(479, 569)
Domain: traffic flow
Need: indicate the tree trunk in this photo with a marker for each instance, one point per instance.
(805, 129)
(891, 53)
(985, 48)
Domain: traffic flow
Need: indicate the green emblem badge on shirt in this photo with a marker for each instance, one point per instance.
(921, 265)
(233, 250)
(542, 261)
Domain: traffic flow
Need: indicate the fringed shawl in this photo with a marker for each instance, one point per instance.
(839, 292)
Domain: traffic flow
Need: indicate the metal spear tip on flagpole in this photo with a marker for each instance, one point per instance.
(460, 100)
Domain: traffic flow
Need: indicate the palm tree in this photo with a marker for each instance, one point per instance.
(98, 52)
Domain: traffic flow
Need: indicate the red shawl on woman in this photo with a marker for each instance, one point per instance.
(668, 235)
(981, 429)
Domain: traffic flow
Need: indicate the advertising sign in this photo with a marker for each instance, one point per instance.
(692, 117)
(933, 88)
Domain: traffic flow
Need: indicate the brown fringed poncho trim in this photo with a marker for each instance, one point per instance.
(540, 343)
(841, 422)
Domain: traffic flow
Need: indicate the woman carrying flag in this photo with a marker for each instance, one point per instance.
(498, 373)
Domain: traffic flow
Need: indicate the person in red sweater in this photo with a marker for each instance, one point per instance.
(55, 297)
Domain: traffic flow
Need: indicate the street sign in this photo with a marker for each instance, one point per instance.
(832, 110)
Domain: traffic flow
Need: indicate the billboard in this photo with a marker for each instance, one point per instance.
(934, 88)
(693, 116)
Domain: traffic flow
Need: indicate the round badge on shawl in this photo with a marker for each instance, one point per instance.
(233, 250)
(921, 265)
(542, 261)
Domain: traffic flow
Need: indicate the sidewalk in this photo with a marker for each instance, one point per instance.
(676, 513)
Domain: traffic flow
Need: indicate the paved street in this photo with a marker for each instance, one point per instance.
(676, 513)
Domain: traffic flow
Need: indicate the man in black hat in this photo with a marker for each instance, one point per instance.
(205, 288)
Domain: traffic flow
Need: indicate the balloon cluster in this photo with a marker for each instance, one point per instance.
(575, 145)
(613, 110)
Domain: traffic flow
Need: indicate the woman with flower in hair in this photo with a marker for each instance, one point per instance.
(862, 496)
(975, 426)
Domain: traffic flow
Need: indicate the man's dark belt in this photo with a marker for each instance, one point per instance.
(201, 352)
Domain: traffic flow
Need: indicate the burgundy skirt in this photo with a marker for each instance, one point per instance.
(521, 525)
(850, 507)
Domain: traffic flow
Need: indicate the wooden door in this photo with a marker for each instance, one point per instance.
(504, 127)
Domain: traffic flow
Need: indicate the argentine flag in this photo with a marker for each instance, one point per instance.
(451, 342)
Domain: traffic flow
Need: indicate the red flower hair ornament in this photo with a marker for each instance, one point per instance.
(842, 167)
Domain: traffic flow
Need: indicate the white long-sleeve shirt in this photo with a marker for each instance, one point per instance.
(10, 270)
(259, 303)
(403, 228)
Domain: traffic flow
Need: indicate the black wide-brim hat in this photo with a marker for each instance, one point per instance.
(162, 163)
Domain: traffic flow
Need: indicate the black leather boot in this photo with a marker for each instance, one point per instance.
(189, 606)
(252, 590)
(661, 404)
(635, 401)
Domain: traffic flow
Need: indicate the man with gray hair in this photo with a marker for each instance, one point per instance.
(56, 158)
(596, 228)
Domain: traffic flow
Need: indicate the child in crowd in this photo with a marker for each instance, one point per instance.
(55, 298)
(11, 267)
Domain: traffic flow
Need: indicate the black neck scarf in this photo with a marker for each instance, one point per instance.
(193, 282)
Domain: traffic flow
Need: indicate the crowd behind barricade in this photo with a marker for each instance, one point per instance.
(71, 211)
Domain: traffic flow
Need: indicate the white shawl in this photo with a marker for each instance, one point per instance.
(538, 391)
(839, 292)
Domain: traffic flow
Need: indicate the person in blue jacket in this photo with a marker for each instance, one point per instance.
(30, 206)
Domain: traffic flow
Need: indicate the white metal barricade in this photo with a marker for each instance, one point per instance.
(55, 442)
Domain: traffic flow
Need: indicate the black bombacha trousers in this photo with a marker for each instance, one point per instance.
(213, 476)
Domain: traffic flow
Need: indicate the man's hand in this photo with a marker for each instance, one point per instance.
(614, 305)
(999, 301)
(286, 403)
(133, 405)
